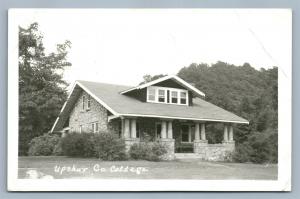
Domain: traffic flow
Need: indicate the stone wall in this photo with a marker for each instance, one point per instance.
(96, 113)
(213, 152)
(170, 146)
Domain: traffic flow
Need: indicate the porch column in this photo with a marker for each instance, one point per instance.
(170, 130)
(203, 136)
(126, 128)
(133, 128)
(197, 131)
(230, 133)
(225, 133)
(163, 129)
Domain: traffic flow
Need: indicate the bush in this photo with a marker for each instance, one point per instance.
(260, 147)
(107, 146)
(77, 145)
(152, 151)
(43, 145)
(139, 151)
(57, 151)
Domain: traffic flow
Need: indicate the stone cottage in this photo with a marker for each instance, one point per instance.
(168, 110)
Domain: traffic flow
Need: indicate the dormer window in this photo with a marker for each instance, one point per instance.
(151, 94)
(167, 95)
(174, 97)
(161, 95)
(183, 97)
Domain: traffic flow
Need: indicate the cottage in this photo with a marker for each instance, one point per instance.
(168, 110)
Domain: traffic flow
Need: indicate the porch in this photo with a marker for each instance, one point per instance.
(179, 136)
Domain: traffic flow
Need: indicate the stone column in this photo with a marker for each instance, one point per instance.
(230, 133)
(200, 142)
(203, 136)
(133, 128)
(126, 128)
(170, 130)
(130, 133)
(163, 129)
(197, 131)
(225, 137)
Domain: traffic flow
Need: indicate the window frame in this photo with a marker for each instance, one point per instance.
(148, 93)
(186, 98)
(95, 127)
(165, 95)
(88, 105)
(168, 99)
(83, 102)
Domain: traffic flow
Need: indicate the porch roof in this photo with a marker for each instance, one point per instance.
(128, 106)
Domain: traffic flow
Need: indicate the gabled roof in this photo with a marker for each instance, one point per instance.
(108, 95)
(173, 77)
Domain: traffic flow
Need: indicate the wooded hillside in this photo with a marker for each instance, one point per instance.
(249, 93)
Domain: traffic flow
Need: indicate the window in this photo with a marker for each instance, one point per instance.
(183, 98)
(89, 102)
(80, 129)
(151, 94)
(161, 95)
(83, 102)
(95, 127)
(167, 95)
(174, 97)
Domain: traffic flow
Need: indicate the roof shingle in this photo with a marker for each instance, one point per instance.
(125, 105)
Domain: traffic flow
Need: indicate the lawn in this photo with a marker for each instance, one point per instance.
(64, 167)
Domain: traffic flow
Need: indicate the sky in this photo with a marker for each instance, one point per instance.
(120, 46)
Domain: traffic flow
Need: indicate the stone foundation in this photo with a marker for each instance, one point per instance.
(130, 141)
(213, 152)
(170, 145)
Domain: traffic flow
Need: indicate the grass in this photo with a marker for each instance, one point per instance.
(184, 169)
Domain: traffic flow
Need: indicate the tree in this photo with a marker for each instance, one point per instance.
(42, 90)
(149, 78)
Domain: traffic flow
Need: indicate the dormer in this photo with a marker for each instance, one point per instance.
(166, 90)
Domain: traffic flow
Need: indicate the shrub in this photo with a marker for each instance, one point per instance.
(152, 151)
(260, 147)
(139, 151)
(58, 149)
(43, 145)
(77, 145)
(107, 146)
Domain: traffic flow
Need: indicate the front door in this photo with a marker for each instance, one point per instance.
(185, 144)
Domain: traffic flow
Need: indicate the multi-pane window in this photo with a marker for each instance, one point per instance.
(83, 102)
(167, 95)
(88, 102)
(151, 94)
(161, 95)
(174, 97)
(183, 97)
(95, 127)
